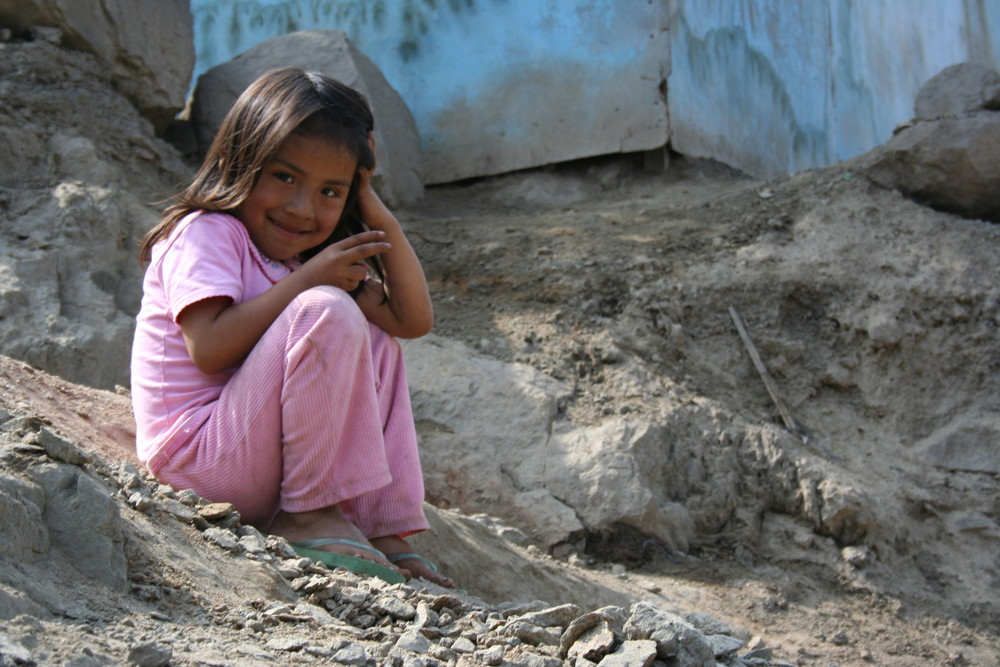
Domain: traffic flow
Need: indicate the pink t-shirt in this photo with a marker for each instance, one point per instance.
(206, 255)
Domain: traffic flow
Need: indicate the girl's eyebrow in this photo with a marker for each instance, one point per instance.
(299, 170)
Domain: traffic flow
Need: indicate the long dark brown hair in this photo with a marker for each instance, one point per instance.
(278, 104)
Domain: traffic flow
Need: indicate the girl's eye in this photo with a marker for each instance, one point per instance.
(283, 177)
(330, 192)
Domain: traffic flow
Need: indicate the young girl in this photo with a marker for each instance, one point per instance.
(265, 370)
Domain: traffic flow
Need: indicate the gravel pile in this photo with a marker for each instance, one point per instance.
(330, 616)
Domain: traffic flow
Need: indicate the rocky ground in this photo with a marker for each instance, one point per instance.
(867, 535)
(876, 317)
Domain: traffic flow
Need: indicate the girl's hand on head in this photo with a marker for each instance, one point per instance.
(342, 264)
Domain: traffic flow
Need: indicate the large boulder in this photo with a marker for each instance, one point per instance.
(951, 164)
(147, 46)
(948, 157)
(957, 90)
(398, 178)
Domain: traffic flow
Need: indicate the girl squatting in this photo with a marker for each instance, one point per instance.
(265, 366)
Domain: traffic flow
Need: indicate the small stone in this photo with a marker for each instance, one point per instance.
(425, 617)
(413, 641)
(463, 645)
(394, 607)
(223, 538)
(759, 653)
(561, 615)
(286, 644)
(351, 654)
(632, 653)
(840, 638)
(189, 497)
(253, 544)
(140, 502)
(216, 511)
(179, 511)
(61, 449)
(150, 654)
(166, 490)
(650, 586)
(317, 614)
(595, 643)
(707, 623)
(723, 645)
(532, 634)
(491, 656)
(442, 653)
(356, 596)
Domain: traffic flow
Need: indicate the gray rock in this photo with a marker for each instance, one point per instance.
(398, 177)
(24, 534)
(463, 645)
(222, 538)
(724, 645)
(351, 654)
(951, 164)
(84, 522)
(14, 652)
(147, 45)
(707, 623)
(631, 653)
(150, 654)
(958, 89)
(561, 615)
(413, 641)
(491, 656)
(394, 607)
(60, 448)
(674, 637)
(969, 442)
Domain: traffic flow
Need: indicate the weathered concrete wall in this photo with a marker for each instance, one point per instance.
(767, 86)
(494, 85)
(774, 87)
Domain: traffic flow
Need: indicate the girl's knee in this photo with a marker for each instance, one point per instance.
(327, 313)
(332, 301)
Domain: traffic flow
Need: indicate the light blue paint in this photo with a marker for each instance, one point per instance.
(768, 86)
(494, 60)
(774, 86)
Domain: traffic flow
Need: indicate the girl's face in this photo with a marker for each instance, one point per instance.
(299, 196)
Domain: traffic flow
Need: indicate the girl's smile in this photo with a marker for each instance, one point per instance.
(299, 197)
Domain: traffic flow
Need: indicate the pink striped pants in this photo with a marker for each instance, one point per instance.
(318, 415)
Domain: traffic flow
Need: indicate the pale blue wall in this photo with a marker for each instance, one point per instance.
(493, 85)
(768, 86)
(773, 86)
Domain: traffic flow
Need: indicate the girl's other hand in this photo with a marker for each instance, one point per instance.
(342, 264)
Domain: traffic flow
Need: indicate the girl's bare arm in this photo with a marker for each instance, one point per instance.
(220, 334)
(408, 312)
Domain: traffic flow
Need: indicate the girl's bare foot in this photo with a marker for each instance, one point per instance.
(328, 522)
(393, 544)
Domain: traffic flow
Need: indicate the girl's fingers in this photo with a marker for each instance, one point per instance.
(358, 239)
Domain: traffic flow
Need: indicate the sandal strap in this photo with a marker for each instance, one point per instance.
(324, 541)
(395, 558)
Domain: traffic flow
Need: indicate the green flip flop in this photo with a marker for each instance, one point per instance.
(395, 558)
(353, 563)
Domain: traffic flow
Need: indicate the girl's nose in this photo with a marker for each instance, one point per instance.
(299, 204)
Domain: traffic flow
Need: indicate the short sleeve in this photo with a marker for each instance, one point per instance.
(203, 260)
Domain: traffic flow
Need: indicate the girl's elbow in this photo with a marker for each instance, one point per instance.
(417, 328)
(209, 364)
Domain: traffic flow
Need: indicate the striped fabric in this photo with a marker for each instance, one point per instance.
(318, 415)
